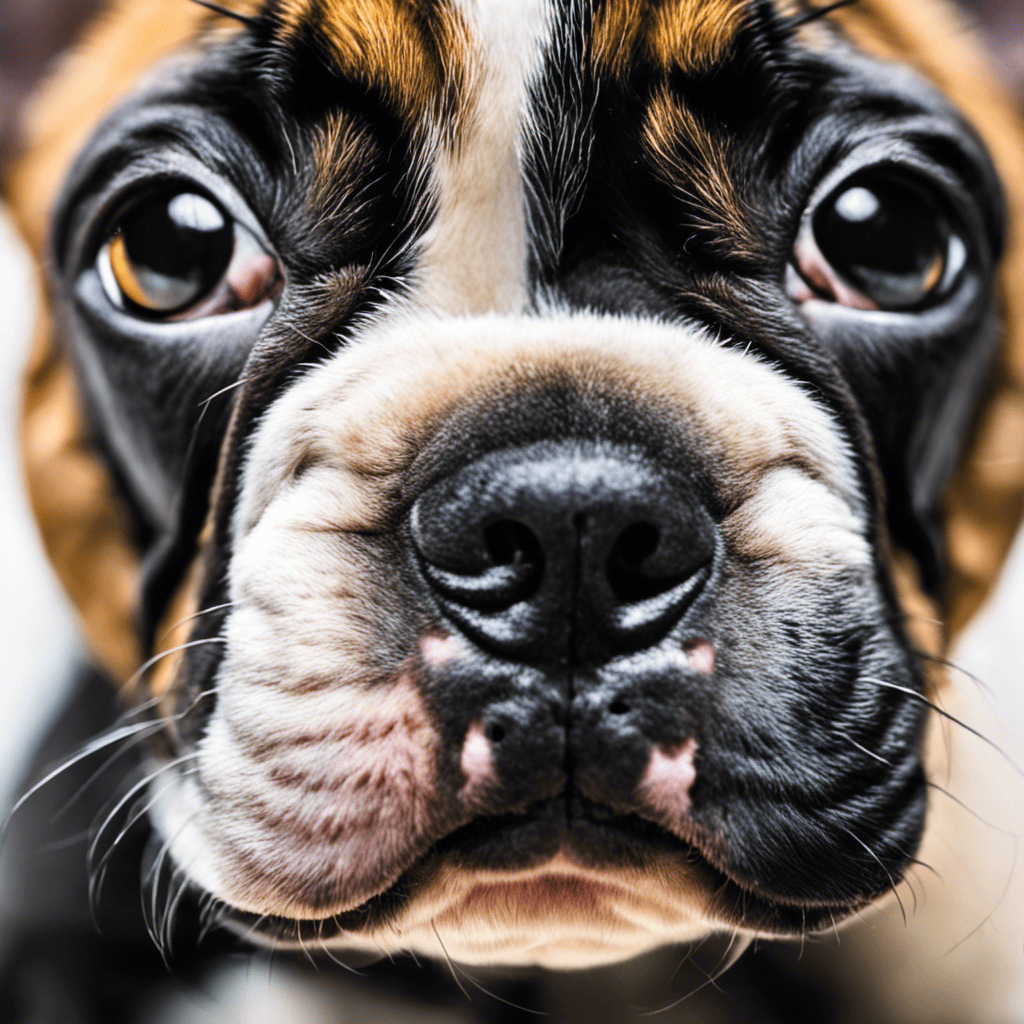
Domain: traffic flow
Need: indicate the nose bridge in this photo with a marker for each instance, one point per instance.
(562, 553)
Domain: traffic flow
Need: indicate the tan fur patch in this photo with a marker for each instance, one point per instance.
(80, 517)
(692, 35)
(694, 164)
(414, 51)
(173, 632)
(562, 915)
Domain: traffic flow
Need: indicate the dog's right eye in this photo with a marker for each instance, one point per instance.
(175, 254)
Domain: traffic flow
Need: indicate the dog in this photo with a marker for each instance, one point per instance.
(522, 467)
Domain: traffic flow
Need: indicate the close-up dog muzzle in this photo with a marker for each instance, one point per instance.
(518, 443)
(603, 623)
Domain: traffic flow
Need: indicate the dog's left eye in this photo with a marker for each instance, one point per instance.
(881, 240)
(175, 254)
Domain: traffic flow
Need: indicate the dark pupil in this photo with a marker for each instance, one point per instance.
(886, 237)
(179, 246)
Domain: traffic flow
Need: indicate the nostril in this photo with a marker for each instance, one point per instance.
(636, 542)
(476, 567)
(511, 543)
(495, 732)
(632, 548)
(619, 707)
(656, 564)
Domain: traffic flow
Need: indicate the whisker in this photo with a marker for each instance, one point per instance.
(252, 928)
(302, 946)
(209, 916)
(93, 846)
(945, 662)
(173, 903)
(129, 745)
(950, 717)
(814, 14)
(311, 340)
(230, 387)
(226, 12)
(195, 615)
(154, 923)
(65, 843)
(835, 929)
(94, 746)
(137, 813)
(494, 995)
(451, 966)
(875, 857)
(1002, 896)
(141, 736)
(863, 749)
(971, 811)
(732, 954)
(151, 879)
(330, 956)
(689, 954)
(149, 663)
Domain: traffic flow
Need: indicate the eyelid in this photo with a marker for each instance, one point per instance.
(98, 194)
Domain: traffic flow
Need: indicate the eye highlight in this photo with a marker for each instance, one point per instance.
(175, 254)
(881, 240)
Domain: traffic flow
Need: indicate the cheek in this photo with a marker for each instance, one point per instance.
(793, 519)
(328, 793)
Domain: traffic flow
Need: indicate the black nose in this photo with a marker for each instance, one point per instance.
(557, 552)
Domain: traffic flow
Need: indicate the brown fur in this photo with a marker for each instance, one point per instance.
(414, 51)
(689, 34)
(694, 164)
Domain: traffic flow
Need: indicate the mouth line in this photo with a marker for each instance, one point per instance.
(729, 901)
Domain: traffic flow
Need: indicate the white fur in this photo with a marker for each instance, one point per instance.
(473, 257)
(302, 633)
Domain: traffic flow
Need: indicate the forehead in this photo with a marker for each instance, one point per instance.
(417, 50)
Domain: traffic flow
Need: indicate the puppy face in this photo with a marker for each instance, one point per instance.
(515, 407)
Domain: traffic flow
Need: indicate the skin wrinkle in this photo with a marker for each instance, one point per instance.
(405, 381)
(382, 766)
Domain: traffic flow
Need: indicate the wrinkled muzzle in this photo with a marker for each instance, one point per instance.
(575, 597)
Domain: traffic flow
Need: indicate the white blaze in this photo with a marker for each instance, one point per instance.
(473, 257)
